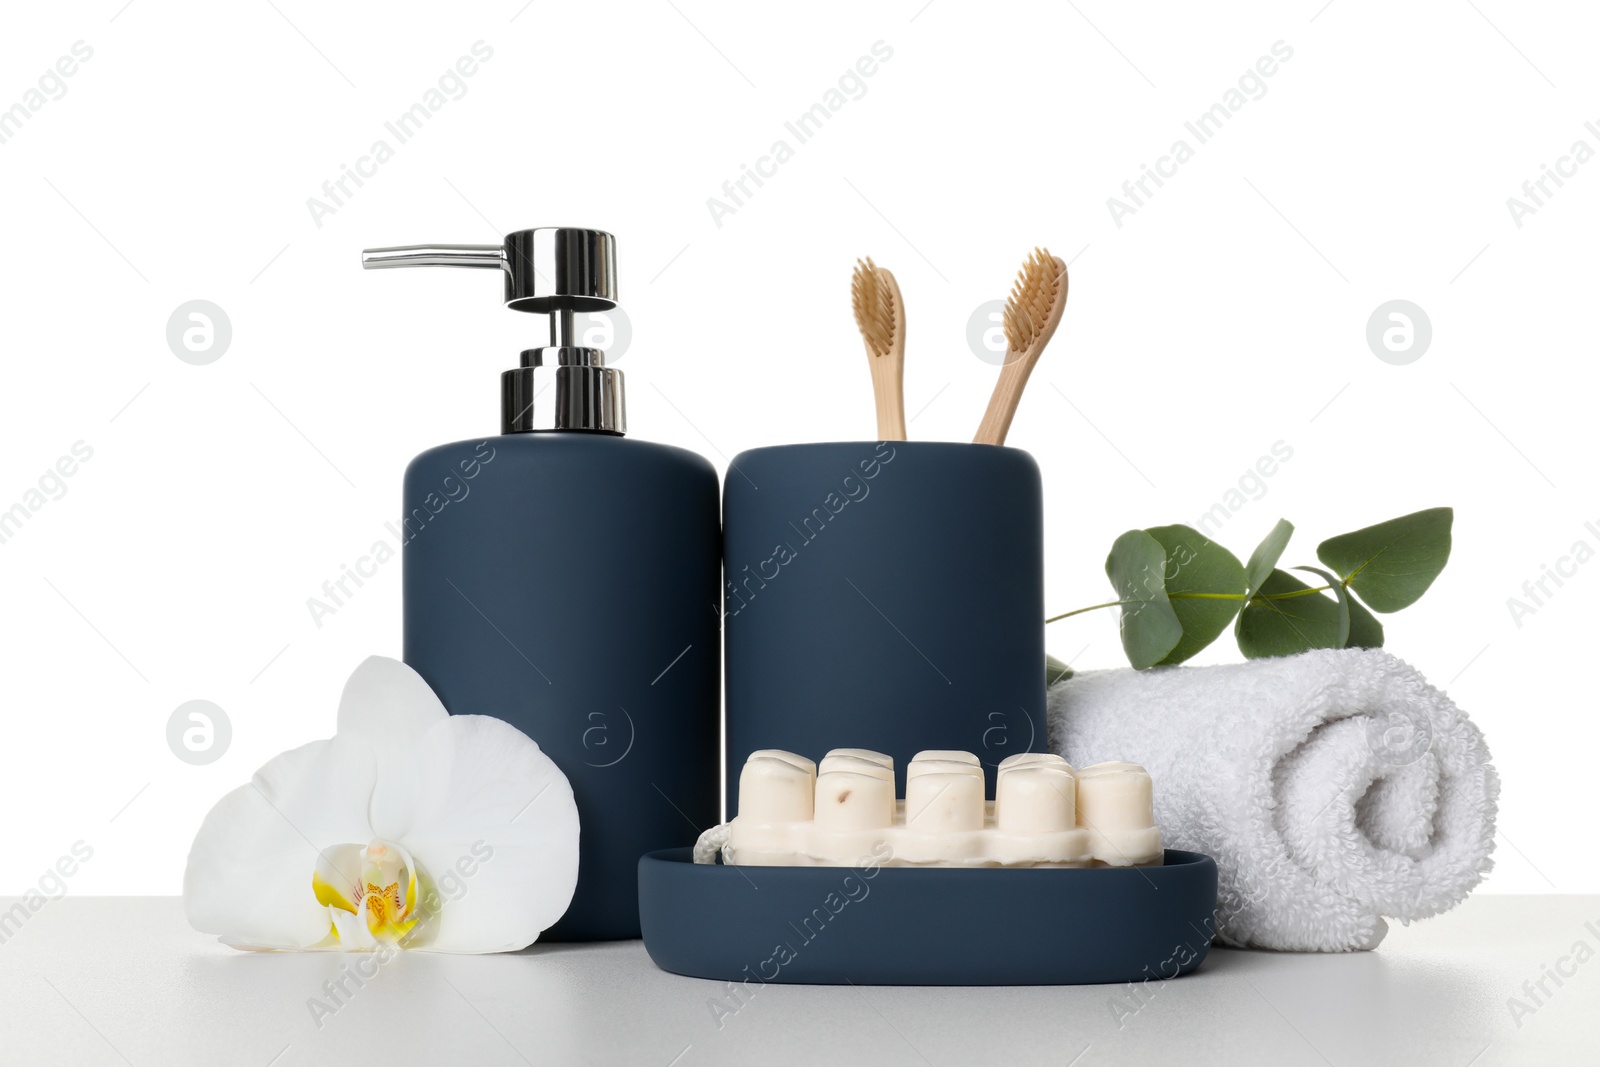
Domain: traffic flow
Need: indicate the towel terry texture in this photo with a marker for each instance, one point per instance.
(1333, 788)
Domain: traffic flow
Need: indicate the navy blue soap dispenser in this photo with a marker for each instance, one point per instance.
(565, 578)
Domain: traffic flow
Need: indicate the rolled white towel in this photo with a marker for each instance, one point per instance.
(1332, 788)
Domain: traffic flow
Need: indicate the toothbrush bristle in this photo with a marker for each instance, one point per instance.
(1035, 293)
(873, 303)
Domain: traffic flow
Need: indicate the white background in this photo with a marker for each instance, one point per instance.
(1226, 314)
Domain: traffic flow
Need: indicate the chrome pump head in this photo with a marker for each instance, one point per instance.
(556, 271)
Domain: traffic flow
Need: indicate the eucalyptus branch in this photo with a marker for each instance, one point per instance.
(1179, 590)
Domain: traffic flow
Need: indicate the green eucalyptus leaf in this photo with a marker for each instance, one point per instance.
(1150, 628)
(1365, 629)
(1392, 564)
(1205, 585)
(1283, 627)
(1266, 556)
(1055, 671)
(1344, 602)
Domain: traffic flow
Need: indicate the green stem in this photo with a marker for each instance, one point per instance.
(1091, 607)
(1296, 592)
(1195, 596)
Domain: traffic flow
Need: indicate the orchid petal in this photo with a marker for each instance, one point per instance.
(496, 831)
(351, 932)
(331, 880)
(389, 706)
(248, 874)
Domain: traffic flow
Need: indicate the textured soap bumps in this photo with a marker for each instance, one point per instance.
(793, 812)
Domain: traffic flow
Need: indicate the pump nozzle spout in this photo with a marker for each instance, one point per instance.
(490, 257)
(556, 271)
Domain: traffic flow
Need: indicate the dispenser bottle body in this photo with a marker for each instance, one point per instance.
(568, 583)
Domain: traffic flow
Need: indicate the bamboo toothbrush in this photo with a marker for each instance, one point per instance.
(1032, 313)
(881, 318)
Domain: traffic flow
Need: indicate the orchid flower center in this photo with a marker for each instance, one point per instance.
(370, 892)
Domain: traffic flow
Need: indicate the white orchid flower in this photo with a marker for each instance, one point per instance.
(409, 827)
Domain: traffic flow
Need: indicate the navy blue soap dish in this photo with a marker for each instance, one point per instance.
(927, 926)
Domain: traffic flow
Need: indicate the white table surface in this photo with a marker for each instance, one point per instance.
(124, 980)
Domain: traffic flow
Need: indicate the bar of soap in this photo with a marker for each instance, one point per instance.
(842, 812)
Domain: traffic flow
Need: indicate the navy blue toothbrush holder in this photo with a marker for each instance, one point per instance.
(883, 595)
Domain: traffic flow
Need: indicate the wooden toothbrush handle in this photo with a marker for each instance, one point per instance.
(889, 396)
(1007, 393)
